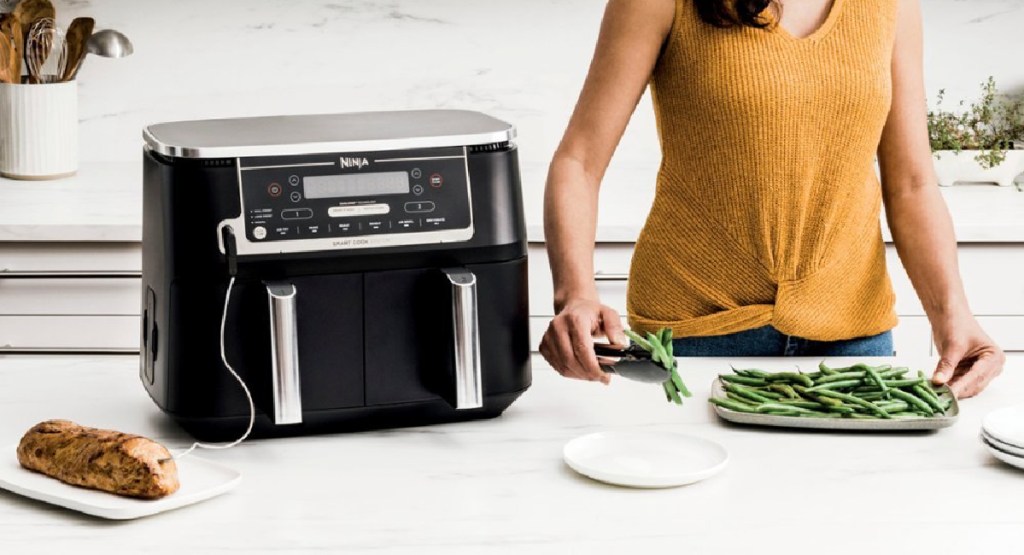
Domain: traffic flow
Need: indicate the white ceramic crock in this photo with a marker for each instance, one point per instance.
(38, 130)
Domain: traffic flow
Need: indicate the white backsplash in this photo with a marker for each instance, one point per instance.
(523, 61)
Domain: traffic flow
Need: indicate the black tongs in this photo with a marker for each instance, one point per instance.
(634, 363)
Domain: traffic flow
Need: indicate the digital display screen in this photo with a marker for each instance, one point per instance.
(355, 185)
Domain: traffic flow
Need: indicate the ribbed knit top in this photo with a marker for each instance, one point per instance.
(767, 202)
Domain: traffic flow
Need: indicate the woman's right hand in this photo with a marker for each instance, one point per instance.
(568, 344)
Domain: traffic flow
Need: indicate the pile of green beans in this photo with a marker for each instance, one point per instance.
(660, 346)
(858, 391)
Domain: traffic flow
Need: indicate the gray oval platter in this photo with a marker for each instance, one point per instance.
(872, 425)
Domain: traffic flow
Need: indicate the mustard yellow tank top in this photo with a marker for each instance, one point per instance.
(767, 202)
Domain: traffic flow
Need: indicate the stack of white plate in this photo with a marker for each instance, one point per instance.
(1002, 431)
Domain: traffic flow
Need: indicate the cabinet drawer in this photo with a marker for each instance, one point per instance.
(69, 333)
(611, 266)
(991, 275)
(70, 257)
(1006, 331)
(69, 296)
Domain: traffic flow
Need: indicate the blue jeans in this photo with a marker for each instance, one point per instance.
(767, 341)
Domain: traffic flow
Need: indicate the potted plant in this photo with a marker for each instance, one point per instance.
(981, 142)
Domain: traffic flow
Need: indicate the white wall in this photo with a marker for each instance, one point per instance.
(520, 60)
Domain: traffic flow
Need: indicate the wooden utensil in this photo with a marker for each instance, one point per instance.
(10, 27)
(77, 39)
(28, 12)
(6, 53)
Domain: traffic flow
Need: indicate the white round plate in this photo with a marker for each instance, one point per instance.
(1002, 446)
(1006, 425)
(645, 459)
(1007, 458)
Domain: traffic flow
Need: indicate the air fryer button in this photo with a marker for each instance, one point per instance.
(419, 207)
(274, 190)
(416, 173)
(259, 232)
(436, 180)
(293, 181)
(417, 189)
(296, 196)
(296, 213)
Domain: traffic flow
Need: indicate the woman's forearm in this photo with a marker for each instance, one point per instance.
(570, 224)
(923, 232)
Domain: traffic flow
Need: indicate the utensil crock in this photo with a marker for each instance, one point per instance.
(38, 130)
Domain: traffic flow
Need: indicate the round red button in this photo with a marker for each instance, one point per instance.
(436, 180)
(274, 190)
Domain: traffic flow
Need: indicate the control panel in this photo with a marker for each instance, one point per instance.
(356, 199)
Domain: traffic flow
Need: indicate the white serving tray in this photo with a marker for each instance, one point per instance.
(866, 425)
(200, 480)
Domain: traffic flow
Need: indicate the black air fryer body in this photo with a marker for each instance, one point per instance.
(379, 263)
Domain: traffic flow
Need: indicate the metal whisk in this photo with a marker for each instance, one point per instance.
(46, 52)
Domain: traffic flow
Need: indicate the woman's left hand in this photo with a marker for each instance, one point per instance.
(969, 359)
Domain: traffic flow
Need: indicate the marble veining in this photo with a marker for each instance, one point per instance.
(523, 61)
(499, 486)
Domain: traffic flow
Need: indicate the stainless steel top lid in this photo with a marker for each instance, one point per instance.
(305, 134)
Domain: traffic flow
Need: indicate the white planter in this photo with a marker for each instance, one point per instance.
(38, 130)
(952, 167)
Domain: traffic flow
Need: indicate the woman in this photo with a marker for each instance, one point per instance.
(763, 239)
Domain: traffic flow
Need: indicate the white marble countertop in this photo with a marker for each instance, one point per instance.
(500, 486)
(103, 203)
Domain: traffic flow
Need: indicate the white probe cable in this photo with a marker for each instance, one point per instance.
(245, 388)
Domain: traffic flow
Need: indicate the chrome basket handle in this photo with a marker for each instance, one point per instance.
(466, 338)
(284, 353)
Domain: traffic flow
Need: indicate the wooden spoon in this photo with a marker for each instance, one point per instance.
(10, 28)
(6, 53)
(77, 39)
(27, 13)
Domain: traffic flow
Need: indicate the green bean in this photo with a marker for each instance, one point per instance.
(742, 380)
(810, 405)
(635, 337)
(893, 373)
(834, 385)
(671, 392)
(746, 392)
(831, 405)
(769, 394)
(825, 370)
(904, 383)
(913, 401)
(740, 398)
(893, 406)
(731, 405)
(870, 395)
(872, 375)
(784, 389)
(751, 373)
(853, 400)
(677, 380)
(766, 407)
(925, 394)
(841, 376)
(790, 377)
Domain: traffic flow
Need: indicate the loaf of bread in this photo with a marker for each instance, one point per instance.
(106, 460)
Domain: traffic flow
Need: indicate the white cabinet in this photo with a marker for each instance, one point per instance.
(991, 274)
(69, 297)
